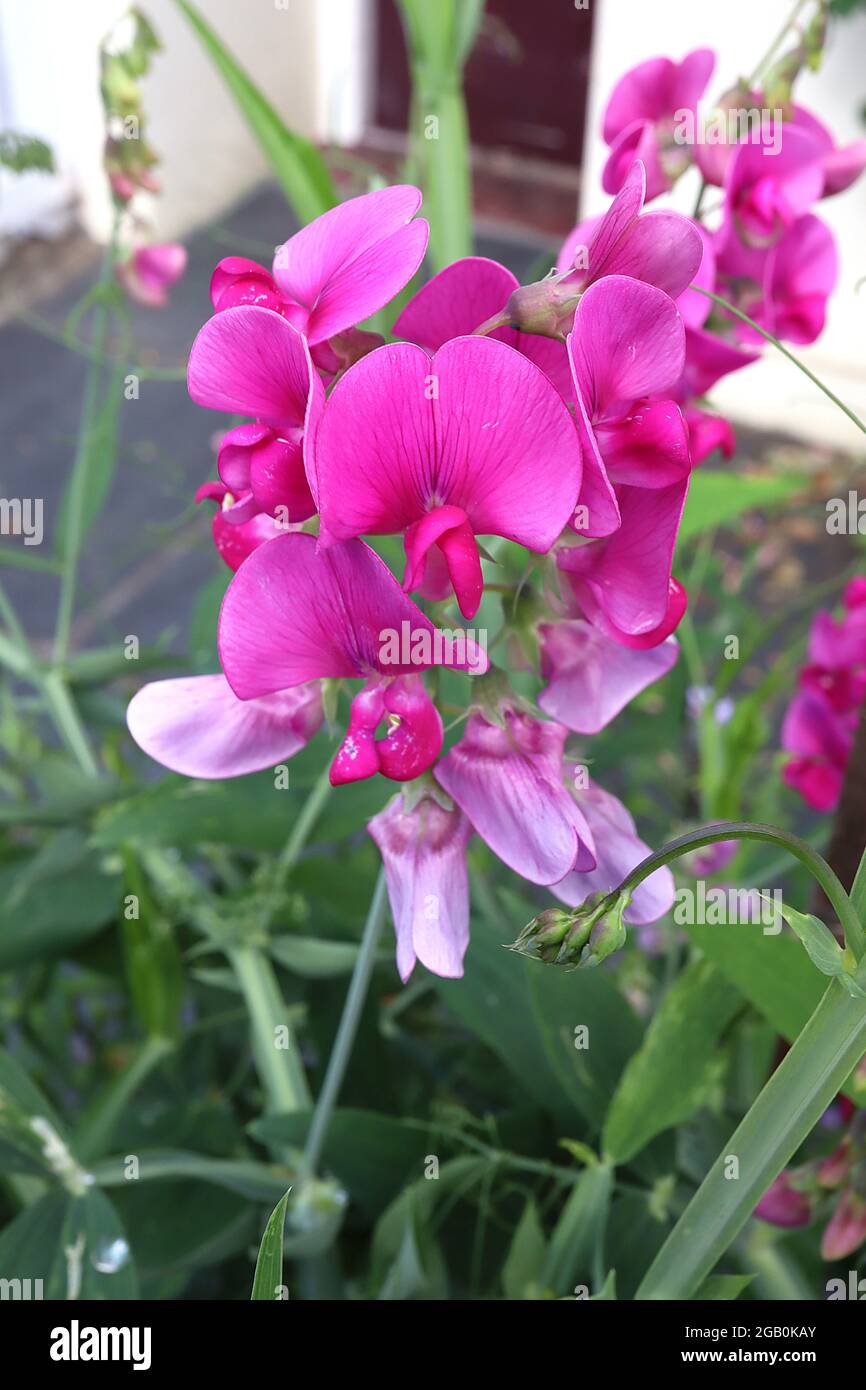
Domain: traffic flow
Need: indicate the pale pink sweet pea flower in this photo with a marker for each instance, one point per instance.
(197, 726)
(473, 441)
(424, 854)
(640, 118)
(591, 677)
(507, 779)
(627, 351)
(295, 613)
(618, 849)
(339, 269)
(250, 361)
(149, 273)
(237, 530)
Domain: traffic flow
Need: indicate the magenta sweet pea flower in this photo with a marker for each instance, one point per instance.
(250, 361)
(295, 613)
(618, 849)
(463, 297)
(707, 433)
(197, 726)
(338, 270)
(783, 1205)
(627, 350)
(591, 677)
(424, 853)
(237, 529)
(149, 273)
(784, 287)
(473, 441)
(661, 248)
(841, 165)
(508, 780)
(821, 741)
(640, 118)
(768, 187)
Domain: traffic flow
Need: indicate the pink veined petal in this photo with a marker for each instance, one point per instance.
(638, 142)
(580, 239)
(424, 853)
(479, 427)
(278, 481)
(695, 308)
(415, 742)
(650, 448)
(591, 677)
(250, 361)
(627, 576)
(618, 849)
(628, 342)
(294, 613)
(597, 511)
(508, 781)
(455, 302)
(802, 274)
(233, 459)
(353, 259)
(197, 726)
(660, 248)
(254, 278)
(620, 216)
(239, 529)
(709, 358)
(766, 189)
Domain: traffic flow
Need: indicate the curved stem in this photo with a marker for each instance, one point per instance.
(818, 867)
(342, 1049)
(744, 318)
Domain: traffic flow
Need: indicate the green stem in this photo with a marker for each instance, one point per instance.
(79, 481)
(342, 1049)
(300, 833)
(744, 318)
(94, 1133)
(743, 830)
(280, 1069)
(785, 1112)
(68, 722)
(764, 62)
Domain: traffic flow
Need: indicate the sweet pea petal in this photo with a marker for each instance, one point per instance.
(591, 677)
(250, 361)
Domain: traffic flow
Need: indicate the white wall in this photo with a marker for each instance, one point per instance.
(308, 56)
(772, 394)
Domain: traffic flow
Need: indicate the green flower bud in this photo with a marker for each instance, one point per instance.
(584, 935)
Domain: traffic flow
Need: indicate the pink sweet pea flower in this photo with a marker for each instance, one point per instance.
(507, 779)
(640, 118)
(250, 361)
(846, 1230)
(237, 531)
(783, 1205)
(591, 677)
(768, 188)
(660, 248)
(197, 726)
(841, 164)
(785, 287)
(484, 445)
(708, 432)
(150, 272)
(424, 853)
(836, 662)
(627, 346)
(821, 740)
(618, 849)
(294, 613)
(339, 269)
(466, 295)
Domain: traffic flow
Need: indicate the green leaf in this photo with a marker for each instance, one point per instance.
(75, 1245)
(314, 959)
(297, 164)
(55, 913)
(268, 1279)
(22, 1148)
(579, 1230)
(670, 1076)
(770, 971)
(524, 1263)
(255, 1181)
(822, 948)
(723, 1286)
(718, 499)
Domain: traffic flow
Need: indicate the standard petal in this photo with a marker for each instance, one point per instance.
(629, 342)
(250, 361)
(590, 677)
(661, 248)
(197, 726)
(455, 302)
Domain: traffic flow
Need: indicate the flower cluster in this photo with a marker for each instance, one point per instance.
(820, 722)
(562, 417)
(799, 1195)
